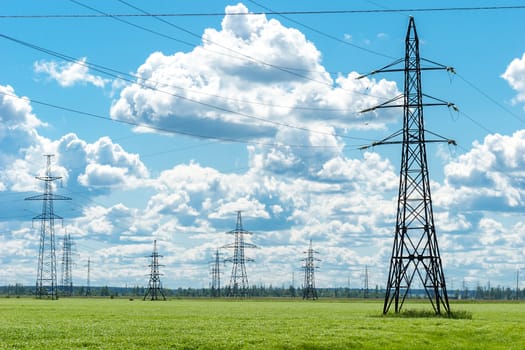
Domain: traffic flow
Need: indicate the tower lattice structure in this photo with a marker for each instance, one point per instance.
(67, 263)
(365, 289)
(46, 280)
(88, 281)
(154, 291)
(216, 276)
(415, 252)
(309, 290)
(239, 279)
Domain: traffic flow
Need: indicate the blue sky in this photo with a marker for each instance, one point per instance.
(187, 119)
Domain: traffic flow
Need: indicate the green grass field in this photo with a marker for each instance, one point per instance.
(251, 324)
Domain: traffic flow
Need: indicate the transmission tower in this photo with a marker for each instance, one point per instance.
(309, 291)
(365, 294)
(88, 284)
(415, 252)
(239, 279)
(46, 280)
(67, 276)
(293, 284)
(216, 276)
(155, 285)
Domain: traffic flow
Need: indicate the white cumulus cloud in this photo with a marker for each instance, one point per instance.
(251, 79)
(490, 176)
(515, 76)
(101, 164)
(68, 74)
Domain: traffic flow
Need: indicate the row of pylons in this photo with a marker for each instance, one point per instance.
(415, 251)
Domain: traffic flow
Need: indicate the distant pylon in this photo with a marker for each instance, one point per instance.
(67, 276)
(293, 284)
(365, 292)
(309, 290)
(239, 279)
(88, 284)
(415, 251)
(154, 290)
(46, 280)
(216, 276)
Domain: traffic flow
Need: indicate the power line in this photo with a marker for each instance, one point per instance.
(288, 12)
(249, 58)
(240, 53)
(119, 75)
(104, 70)
(90, 65)
(165, 130)
(320, 32)
(469, 83)
(253, 59)
(491, 99)
(384, 9)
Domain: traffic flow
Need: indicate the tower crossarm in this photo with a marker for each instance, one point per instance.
(47, 197)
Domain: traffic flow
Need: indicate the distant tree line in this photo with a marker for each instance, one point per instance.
(488, 293)
(479, 293)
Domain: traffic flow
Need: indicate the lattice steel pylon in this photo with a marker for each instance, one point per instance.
(309, 290)
(46, 280)
(239, 279)
(365, 289)
(415, 251)
(216, 276)
(88, 281)
(154, 290)
(67, 263)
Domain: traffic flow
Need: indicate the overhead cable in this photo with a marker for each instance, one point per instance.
(287, 70)
(121, 76)
(286, 12)
(320, 32)
(160, 129)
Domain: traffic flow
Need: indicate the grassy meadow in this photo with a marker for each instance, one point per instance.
(251, 324)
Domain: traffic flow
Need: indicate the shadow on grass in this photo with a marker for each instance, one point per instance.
(456, 315)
